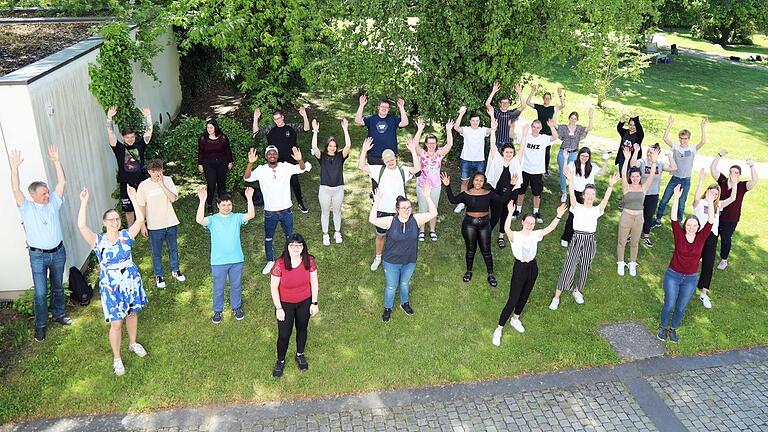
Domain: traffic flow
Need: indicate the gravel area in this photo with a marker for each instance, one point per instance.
(23, 44)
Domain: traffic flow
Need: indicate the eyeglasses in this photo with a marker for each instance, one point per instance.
(295, 245)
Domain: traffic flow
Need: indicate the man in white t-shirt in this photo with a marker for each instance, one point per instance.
(534, 166)
(472, 159)
(391, 179)
(275, 182)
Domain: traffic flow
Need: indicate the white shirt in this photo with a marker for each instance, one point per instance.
(524, 246)
(585, 219)
(275, 183)
(579, 181)
(535, 152)
(390, 184)
(702, 213)
(494, 167)
(474, 144)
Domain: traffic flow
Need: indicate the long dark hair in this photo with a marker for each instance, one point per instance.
(587, 166)
(295, 238)
(216, 129)
(328, 141)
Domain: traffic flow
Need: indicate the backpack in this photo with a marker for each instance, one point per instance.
(402, 175)
(81, 292)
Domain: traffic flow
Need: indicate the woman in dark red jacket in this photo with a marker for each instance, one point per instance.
(214, 160)
(294, 294)
(680, 278)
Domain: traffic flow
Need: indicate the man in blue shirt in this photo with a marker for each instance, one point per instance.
(40, 216)
(382, 127)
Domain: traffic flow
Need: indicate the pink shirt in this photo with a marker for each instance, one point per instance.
(430, 169)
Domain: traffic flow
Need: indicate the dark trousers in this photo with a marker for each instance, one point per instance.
(477, 230)
(649, 208)
(296, 188)
(499, 211)
(215, 171)
(295, 314)
(568, 230)
(546, 159)
(707, 261)
(523, 278)
(726, 230)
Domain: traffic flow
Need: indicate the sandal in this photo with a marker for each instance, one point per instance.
(492, 280)
(433, 236)
(421, 236)
(467, 276)
(501, 242)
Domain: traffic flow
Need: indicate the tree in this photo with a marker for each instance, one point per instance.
(730, 21)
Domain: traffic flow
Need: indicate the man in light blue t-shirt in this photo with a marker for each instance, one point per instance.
(40, 216)
(226, 251)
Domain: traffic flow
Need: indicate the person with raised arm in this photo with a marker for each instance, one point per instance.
(544, 113)
(499, 172)
(628, 137)
(275, 181)
(382, 129)
(390, 179)
(120, 287)
(401, 247)
(680, 278)
(431, 160)
(472, 158)
(283, 136)
(631, 221)
(45, 241)
(571, 135)
(227, 257)
(524, 244)
(652, 195)
(505, 117)
(583, 246)
(130, 157)
(731, 185)
(536, 147)
(584, 172)
(331, 190)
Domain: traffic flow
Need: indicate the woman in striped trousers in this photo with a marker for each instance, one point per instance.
(582, 248)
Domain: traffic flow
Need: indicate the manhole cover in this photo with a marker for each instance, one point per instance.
(632, 341)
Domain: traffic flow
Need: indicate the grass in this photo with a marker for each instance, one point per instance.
(684, 39)
(193, 362)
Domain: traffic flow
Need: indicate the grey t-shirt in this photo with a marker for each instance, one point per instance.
(645, 172)
(684, 160)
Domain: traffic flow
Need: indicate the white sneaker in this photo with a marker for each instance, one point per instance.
(555, 303)
(326, 240)
(620, 267)
(563, 197)
(517, 325)
(337, 237)
(459, 208)
(563, 243)
(179, 276)
(632, 268)
(705, 301)
(138, 349)
(496, 337)
(376, 262)
(578, 297)
(117, 366)
(723, 264)
(267, 268)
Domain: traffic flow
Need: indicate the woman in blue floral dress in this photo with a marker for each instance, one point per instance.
(120, 288)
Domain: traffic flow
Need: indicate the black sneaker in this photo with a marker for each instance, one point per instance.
(216, 317)
(492, 280)
(662, 334)
(387, 313)
(303, 208)
(673, 336)
(277, 372)
(647, 242)
(301, 362)
(467, 276)
(656, 224)
(501, 242)
(63, 320)
(537, 215)
(39, 334)
(407, 309)
(239, 314)
(515, 214)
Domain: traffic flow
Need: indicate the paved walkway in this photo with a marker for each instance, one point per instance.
(720, 392)
(662, 42)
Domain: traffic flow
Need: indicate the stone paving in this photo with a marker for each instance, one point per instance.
(720, 392)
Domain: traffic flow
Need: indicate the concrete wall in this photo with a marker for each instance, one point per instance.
(48, 102)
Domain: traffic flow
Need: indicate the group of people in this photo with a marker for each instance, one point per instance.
(492, 193)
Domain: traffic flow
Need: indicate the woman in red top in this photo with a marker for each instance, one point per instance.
(680, 278)
(294, 294)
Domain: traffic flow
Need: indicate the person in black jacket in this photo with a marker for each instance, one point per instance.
(631, 135)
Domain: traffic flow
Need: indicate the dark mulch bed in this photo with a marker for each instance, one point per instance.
(23, 44)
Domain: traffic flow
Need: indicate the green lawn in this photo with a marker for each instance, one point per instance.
(684, 39)
(192, 361)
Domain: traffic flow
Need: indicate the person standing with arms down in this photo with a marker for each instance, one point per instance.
(214, 160)
(544, 113)
(47, 256)
(571, 135)
(130, 157)
(504, 117)
(680, 278)
(390, 179)
(524, 244)
(274, 180)
(731, 215)
(382, 129)
(120, 287)
(401, 247)
(582, 249)
(331, 191)
(472, 158)
(431, 159)
(283, 136)
(226, 250)
(536, 148)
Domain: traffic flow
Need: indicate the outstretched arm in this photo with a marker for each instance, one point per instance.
(699, 188)
(315, 132)
(713, 166)
(552, 225)
(252, 158)
(202, 194)
(488, 102)
(520, 98)
(304, 118)
(251, 208)
(530, 96)
(703, 140)
(111, 126)
(420, 125)
(61, 181)
(403, 114)
(147, 124)
(448, 137)
(137, 226)
(86, 232)
(381, 222)
(347, 139)
(649, 180)
(255, 124)
(359, 113)
(611, 182)
(561, 95)
(362, 161)
(412, 146)
(569, 176)
(457, 123)
(15, 160)
(675, 202)
(591, 119)
(753, 171)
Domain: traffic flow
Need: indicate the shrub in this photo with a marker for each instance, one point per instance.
(179, 146)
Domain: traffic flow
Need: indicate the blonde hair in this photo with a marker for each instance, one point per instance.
(716, 201)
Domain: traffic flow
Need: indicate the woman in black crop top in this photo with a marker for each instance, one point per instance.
(476, 226)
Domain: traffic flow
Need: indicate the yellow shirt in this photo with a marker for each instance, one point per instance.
(158, 208)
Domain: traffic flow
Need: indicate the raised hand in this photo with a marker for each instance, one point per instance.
(552, 123)
(315, 126)
(496, 87)
(614, 179)
(449, 125)
(518, 88)
(111, 112)
(147, 112)
(363, 99)
(535, 88)
(591, 112)
(400, 103)
(252, 156)
(411, 143)
(670, 121)
(131, 193)
(84, 195)
(248, 193)
(749, 162)
(53, 153)
(513, 179)
(257, 113)
(623, 119)
(420, 123)
(626, 152)
(560, 91)
(302, 111)
(511, 206)
(723, 152)
(296, 153)
(462, 110)
(202, 193)
(344, 124)
(562, 209)
(368, 144)
(445, 178)
(704, 122)
(677, 191)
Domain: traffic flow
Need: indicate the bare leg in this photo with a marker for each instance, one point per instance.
(537, 201)
(132, 323)
(115, 334)
(380, 244)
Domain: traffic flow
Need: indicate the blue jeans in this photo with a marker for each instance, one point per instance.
(220, 273)
(394, 275)
(156, 239)
(469, 168)
(678, 290)
(674, 181)
(562, 164)
(44, 265)
(271, 218)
